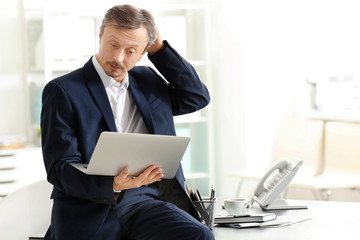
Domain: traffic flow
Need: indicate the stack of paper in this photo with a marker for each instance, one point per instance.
(258, 220)
(253, 218)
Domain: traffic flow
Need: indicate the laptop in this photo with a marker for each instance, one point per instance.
(115, 151)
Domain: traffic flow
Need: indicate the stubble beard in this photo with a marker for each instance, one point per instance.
(111, 72)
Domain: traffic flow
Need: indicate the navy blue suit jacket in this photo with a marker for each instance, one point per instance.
(76, 110)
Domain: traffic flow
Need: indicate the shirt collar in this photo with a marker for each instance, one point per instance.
(106, 79)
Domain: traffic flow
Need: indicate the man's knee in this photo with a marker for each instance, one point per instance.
(204, 233)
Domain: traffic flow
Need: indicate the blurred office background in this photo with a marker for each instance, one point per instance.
(264, 62)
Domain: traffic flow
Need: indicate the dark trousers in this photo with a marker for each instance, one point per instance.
(154, 219)
(140, 215)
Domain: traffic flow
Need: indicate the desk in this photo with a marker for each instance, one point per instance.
(19, 168)
(330, 220)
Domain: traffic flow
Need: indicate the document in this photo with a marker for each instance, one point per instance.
(253, 218)
(279, 222)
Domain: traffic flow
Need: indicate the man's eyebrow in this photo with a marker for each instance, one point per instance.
(113, 37)
(135, 45)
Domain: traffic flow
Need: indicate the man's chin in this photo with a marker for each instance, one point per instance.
(114, 75)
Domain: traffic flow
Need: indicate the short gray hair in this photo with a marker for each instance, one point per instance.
(130, 17)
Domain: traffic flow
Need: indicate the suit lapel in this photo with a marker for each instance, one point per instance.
(141, 104)
(97, 89)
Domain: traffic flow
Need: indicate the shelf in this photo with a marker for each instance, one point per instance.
(197, 175)
(24, 167)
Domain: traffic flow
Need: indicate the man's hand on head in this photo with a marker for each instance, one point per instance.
(158, 44)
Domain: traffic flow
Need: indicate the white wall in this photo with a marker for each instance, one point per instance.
(267, 50)
(12, 105)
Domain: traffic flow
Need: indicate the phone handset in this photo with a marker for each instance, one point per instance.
(268, 192)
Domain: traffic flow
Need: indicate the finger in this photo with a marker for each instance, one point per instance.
(155, 174)
(124, 173)
(158, 178)
(145, 174)
(150, 175)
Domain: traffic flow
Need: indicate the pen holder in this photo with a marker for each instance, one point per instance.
(205, 209)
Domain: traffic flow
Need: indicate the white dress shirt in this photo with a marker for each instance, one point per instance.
(126, 115)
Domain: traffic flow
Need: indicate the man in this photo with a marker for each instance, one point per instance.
(110, 93)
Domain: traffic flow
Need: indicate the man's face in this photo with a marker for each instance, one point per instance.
(120, 50)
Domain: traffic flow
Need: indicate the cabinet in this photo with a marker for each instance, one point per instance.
(19, 168)
(59, 47)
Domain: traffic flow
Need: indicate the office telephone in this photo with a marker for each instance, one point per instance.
(268, 192)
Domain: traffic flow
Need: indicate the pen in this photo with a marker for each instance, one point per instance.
(200, 199)
(188, 190)
(193, 196)
(212, 193)
(198, 194)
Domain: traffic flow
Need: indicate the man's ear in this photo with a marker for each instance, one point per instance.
(142, 55)
(100, 33)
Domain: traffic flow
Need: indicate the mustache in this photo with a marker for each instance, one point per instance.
(117, 64)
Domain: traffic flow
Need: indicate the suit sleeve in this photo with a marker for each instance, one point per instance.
(187, 92)
(60, 147)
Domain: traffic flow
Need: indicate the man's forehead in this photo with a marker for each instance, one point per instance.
(139, 36)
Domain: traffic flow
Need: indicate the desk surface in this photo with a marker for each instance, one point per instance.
(329, 220)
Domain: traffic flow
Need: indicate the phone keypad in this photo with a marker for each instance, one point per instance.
(275, 182)
(279, 181)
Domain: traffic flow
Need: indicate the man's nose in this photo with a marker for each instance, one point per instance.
(119, 56)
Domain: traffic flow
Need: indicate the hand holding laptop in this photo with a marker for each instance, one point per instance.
(136, 152)
(124, 181)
